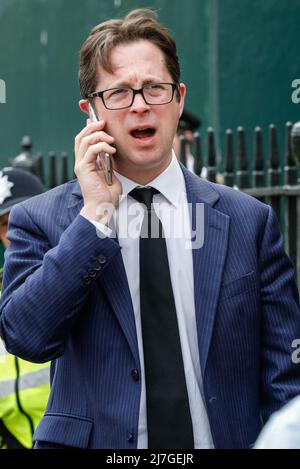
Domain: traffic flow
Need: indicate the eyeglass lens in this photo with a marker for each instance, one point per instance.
(157, 93)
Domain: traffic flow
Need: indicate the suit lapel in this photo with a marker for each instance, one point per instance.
(113, 282)
(208, 260)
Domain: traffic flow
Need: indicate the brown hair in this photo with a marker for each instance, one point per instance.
(138, 24)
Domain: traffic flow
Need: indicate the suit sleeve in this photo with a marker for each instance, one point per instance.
(280, 320)
(44, 287)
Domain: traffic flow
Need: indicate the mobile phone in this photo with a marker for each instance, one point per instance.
(105, 157)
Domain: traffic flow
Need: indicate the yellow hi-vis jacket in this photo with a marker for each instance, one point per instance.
(24, 392)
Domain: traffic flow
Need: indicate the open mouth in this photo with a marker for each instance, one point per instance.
(143, 133)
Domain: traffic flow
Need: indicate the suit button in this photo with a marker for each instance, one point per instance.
(87, 280)
(135, 375)
(97, 265)
(130, 438)
(102, 259)
(92, 273)
(212, 399)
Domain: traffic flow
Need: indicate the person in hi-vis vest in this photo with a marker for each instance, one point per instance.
(24, 386)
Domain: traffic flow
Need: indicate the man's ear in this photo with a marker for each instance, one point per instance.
(182, 91)
(83, 104)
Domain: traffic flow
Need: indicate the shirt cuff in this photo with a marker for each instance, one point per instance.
(102, 231)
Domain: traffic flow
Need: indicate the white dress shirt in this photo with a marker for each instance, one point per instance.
(171, 207)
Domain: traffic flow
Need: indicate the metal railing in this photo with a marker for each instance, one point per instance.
(57, 165)
(266, 177)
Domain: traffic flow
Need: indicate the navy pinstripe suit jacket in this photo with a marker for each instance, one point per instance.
(246, 305)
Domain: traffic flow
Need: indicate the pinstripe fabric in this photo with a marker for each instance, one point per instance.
(246, 306)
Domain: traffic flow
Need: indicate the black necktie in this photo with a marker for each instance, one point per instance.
(168, 413)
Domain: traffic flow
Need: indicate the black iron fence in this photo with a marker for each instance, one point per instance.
(268, 177)
(271, 177)
(53, 169)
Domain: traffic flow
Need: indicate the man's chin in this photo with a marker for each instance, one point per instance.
(142, 167)
(140, 160)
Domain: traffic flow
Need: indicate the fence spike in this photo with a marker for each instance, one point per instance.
(242, 173)
(198, 161)
(258, 167)
(228, 164)
(295, 136)
(291, 211)
(40, 167)
(211, 159)
(52, 169)
(290, 168)
(26, 143)
(274, 170)
(64, 167)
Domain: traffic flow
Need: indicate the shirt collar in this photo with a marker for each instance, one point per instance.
(170, 183)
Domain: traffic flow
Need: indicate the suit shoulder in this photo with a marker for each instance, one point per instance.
(230, 201)
(57, 196)
(235, 199)
(248, 215)
(51, 205)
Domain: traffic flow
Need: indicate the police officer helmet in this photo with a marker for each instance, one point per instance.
(17, 185)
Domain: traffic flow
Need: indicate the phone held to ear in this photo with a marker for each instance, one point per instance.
(105, 157)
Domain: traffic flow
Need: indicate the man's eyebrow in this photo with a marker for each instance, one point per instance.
(127, 84)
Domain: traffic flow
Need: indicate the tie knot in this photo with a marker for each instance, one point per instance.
(144, 195)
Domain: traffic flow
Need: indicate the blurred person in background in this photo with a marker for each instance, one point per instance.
(24, 386)
(187, 125)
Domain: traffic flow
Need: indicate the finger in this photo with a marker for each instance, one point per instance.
(96, 137)
(94, 150)
(88, 130)
(92, 140)
(88, 163)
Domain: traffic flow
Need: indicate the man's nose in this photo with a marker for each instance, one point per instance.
(139, 104)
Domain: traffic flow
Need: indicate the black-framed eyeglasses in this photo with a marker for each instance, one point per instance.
(155, 94)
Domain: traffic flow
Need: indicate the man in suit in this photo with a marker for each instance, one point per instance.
(79, 268)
